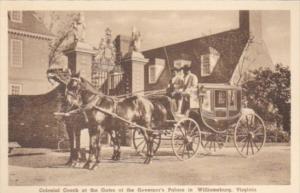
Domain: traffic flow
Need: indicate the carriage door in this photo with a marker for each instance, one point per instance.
(221, 103)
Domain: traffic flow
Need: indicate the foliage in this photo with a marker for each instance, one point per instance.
(59, 24)
(268, 93)
(275, 134)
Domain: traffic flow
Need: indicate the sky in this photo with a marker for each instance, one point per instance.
(159, 28)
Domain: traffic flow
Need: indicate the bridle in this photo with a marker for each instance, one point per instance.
(74, 94)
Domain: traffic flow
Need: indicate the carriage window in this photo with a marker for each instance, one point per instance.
(206, 105)
(220, 99)
(232, 100)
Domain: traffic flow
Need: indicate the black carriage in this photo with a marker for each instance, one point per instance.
(215, 115)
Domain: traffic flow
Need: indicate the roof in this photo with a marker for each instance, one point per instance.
(230, 44)
(30, 23)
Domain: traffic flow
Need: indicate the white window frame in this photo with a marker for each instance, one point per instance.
(234, 106)
(14, 20)
(151, 80)
(202, 65)
(11, 85)
(11, 53)
(226, 100)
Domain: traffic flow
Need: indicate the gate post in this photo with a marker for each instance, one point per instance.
(134, 68)
(80, 57)
(134, 71)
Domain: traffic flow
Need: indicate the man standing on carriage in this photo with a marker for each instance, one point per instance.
(175, 87)
(190, 83)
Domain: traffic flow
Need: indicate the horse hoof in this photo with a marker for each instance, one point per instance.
(146, 160)
(69, 163)
(73, 164)
(94, 166)
(86, 165)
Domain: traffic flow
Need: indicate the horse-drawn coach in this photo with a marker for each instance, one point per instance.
(216, 113)
(215, 116)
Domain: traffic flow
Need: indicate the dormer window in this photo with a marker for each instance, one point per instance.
(209, 61)
(155, 70)
(205, 65)
(16, 16)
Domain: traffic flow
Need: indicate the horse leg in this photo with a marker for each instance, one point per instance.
(93, 148)
(113, 139)
(78, 156)
(149, 148)
(91, 151)
(147, 140)
(71, 141)
(118, 150)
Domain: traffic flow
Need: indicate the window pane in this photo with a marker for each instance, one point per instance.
(16, 16)
(205, 65)
(16, 52)
(15, 89)
(232, 99)
(220, 99)
(151, 74)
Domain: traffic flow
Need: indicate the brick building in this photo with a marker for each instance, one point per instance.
(28, 45)
(225, 57)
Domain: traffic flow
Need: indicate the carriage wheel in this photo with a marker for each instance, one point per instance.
(139, 142)
(249, 135)
(213, 142)
(186, 139)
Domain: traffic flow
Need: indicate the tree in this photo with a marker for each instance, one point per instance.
(59, 24)
(268, 93)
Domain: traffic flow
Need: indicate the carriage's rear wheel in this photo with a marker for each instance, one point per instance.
(249, 135)
(213, 142)
(139, 142)
(186, 139)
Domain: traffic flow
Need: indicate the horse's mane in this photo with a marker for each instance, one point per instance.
(89, 87)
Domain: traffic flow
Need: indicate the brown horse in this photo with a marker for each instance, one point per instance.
(137, 110)
(73, 124)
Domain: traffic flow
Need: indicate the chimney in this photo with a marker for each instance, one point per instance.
(250, 21)
(244, 20)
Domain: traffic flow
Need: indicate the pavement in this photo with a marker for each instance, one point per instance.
(46, 167)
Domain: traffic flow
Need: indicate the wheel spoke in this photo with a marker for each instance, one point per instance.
(247, 146)
(140, 144)
(206, 144)
(143, 147)
(183, 151)
(244, 145)
(180, 147)
(251, 147)
(182, 131)
(248, 127)
(188, 153)
(256, 146)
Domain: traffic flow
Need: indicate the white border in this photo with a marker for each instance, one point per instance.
(158, 5)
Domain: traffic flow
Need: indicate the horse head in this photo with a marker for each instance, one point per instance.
(74, 89)
(58, 75)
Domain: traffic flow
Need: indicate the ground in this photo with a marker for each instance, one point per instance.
(45, 167)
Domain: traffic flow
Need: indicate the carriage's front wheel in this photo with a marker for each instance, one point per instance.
(186, 139)
(249, 135)
(139, 142)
